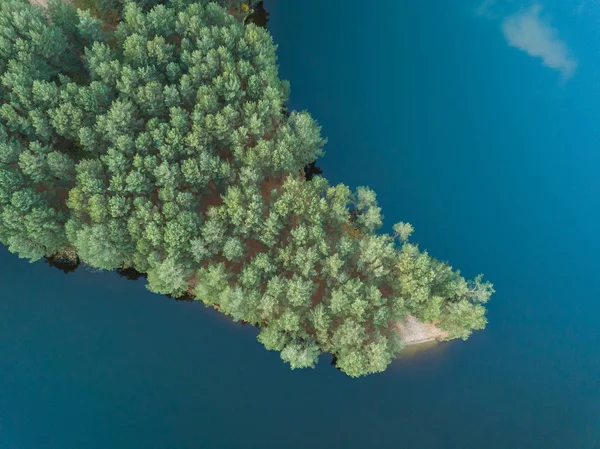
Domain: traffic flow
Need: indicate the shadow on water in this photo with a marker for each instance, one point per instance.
(259, 16)
(186, 297)
(68, 266)
(131, 274)
(311, 170)
(334, 363)
(65, 265)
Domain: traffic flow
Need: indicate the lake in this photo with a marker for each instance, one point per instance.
(484, 150)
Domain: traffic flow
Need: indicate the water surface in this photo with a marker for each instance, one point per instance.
(478, 146)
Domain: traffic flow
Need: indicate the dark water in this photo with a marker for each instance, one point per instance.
(474, 143)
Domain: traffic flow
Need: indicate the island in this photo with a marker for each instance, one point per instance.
(154, 138)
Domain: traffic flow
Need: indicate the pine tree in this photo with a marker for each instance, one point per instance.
(151, 137)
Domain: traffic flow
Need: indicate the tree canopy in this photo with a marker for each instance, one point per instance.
(161, 143)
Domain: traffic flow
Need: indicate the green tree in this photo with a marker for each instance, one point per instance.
(154, 135)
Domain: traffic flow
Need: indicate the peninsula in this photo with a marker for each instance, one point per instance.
(154, 136)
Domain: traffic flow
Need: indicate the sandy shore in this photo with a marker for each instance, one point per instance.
(413, 332)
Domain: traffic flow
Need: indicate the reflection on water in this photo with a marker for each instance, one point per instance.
(424, 354)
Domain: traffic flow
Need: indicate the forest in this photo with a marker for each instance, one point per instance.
(155, 136)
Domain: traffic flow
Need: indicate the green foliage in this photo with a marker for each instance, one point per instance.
(152, 135)
(233, 249)
(403, 231)
(301, 354)
(462, 317)
(168, 277)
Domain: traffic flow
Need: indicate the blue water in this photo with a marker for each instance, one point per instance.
(478, 145)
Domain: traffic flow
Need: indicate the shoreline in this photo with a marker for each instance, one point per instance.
(414, 332)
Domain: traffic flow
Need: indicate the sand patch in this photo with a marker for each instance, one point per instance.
(414, 332)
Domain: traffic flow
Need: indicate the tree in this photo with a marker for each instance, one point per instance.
(403, 231)
(152, 137)
(301, 354)
(168, 277)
